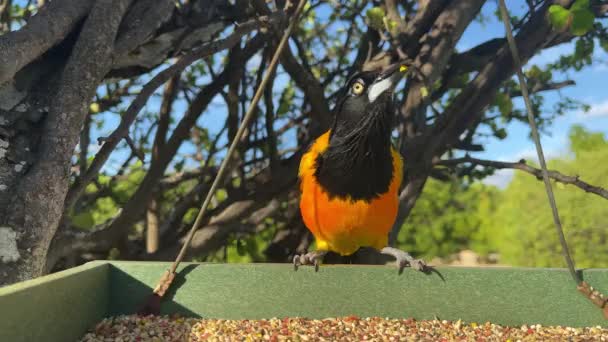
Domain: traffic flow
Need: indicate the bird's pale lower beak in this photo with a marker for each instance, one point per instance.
(387, 80)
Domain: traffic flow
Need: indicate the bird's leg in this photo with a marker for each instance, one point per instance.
(310, 258)
(404, 258)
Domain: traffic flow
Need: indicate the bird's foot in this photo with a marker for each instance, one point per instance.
(404, 259)
(310, 258)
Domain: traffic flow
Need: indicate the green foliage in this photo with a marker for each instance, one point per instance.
(522, 229)
(579, 19)
(447, 218)
(286, 100)
(559, 16)
(375, 17)
(104, 208)
(582, 21)
(517, 222)
(504, 103)
(539, 75)
(604, 44)
(582, 141)
(247, 248)
(581, 57)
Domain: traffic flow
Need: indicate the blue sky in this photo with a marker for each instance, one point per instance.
(589, 89)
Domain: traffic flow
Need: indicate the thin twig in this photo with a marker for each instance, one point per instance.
(137, 152)
(539, 149)
(523, 166)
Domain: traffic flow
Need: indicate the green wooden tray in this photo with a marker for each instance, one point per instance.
(62, 306)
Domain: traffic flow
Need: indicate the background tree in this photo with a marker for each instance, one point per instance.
(450, 216)
(524, 237)
(115, 113)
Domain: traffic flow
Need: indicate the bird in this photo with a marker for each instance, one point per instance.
(349, 177)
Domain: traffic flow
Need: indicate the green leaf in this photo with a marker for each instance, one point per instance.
(583, 48)
(604, 44)
(375, 16)
(559, 16)
(582, 21)
(286, 100)
(534, 72)
(504, 104)
(94, 108)
(580, 4)
(179, 166)
(240, 247)
(500, 133)
(84, 220)
(424, 92)
(392, 26)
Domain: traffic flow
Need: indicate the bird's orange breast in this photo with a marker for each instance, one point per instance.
(343, 225)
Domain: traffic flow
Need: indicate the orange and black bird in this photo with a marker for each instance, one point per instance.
(350, 176)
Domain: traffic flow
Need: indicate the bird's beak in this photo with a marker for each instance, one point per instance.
(387, 80)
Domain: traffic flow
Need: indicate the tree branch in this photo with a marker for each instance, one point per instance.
(140, 23)
(38, 202)
(523, 166)
(303, 77)
(142, 98)
(432, 59)
(132, 210)
(420, 24)
(538, 87)
(5, 16)
(470, 103)
(164, 115)
(44, 30)
(310, 86)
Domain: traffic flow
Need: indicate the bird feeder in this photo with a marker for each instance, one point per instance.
(65, 305)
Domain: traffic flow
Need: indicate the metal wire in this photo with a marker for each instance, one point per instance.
(539, 149)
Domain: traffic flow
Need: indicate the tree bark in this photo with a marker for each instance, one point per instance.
(39, 190)
(431, 60)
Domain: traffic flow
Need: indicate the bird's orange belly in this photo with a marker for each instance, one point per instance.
(343, 225)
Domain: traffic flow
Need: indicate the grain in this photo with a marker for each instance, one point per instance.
(174, 328)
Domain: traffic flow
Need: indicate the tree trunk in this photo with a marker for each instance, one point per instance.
(49, 71)
(152, 231)
(36, 169)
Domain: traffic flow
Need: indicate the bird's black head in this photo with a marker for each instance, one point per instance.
(358, 162)
(366, 100)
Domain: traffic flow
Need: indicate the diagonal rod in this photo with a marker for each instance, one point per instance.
(539, 149)
(237, 137)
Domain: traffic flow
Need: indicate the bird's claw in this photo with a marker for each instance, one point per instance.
(405, 259)
(416, 264)
(310, 258)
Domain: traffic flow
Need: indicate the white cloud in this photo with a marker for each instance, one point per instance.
(599, 109)
(500, 178)
(531, 154)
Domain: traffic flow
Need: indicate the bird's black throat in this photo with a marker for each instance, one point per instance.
(358, 163)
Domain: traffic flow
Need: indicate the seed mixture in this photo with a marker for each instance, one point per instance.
(165, 328)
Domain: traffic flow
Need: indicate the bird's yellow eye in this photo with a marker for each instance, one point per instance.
(358, 88)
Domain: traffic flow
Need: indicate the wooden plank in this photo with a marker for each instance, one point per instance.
(509, 296)
(56, 307)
